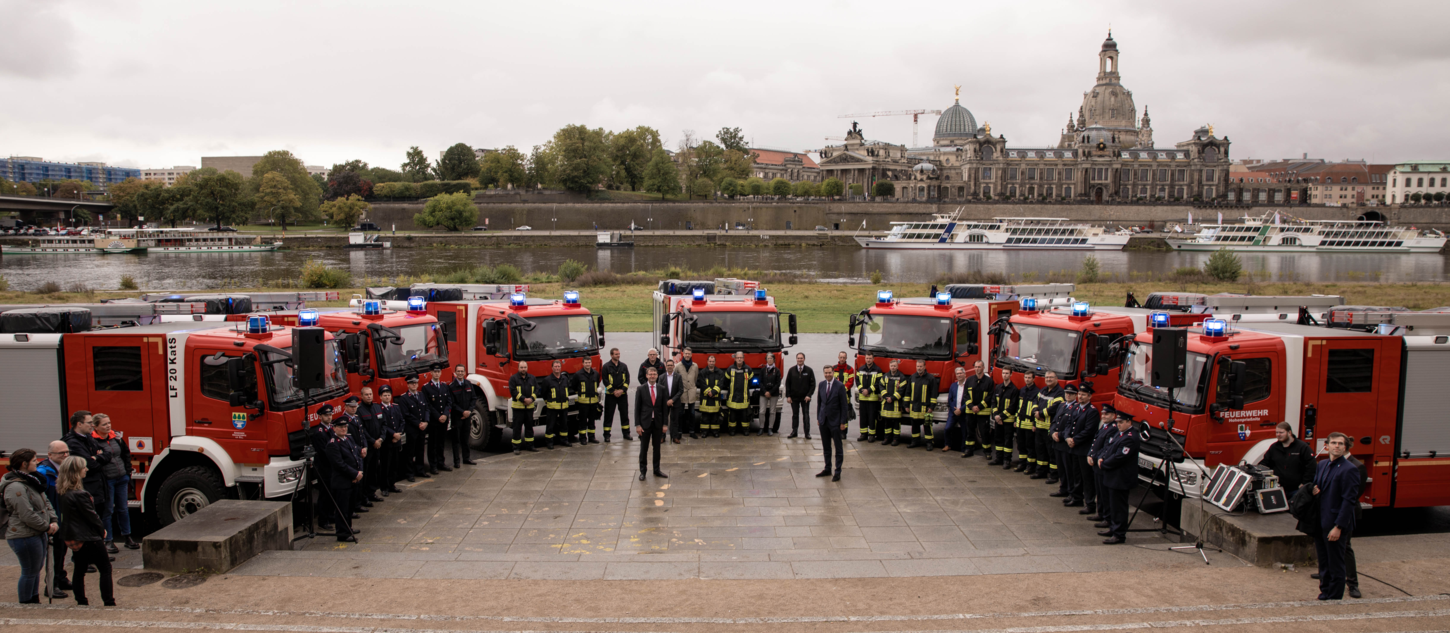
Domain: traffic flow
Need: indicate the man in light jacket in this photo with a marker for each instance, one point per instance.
(689, 372)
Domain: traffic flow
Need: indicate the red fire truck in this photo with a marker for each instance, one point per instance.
(718, 318)
(491, 336)
(207, 412)
(1381, 389)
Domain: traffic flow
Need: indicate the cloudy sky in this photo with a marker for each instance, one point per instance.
(158, 83)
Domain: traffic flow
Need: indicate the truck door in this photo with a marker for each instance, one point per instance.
(126, 376)
(1343, 379)
(210, 415)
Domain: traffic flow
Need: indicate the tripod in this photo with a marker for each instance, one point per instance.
(1169, 469)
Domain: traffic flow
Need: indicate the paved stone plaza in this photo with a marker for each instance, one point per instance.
(741, 507)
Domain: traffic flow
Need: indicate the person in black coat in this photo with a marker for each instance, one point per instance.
(84, 445)
(461, 399)
(651, 420)
(1057, 433)
(800, 384)
(368, 413)
(769, 378)
(1337, 488)
(1081, 431)
(346, 473)
(615, 376)
(81, 529)
(1107, 427)
(1119, 462)
(363, 492)
(652, 359)
(394, 428)
(415, 415)
(1291, 459)
(440, 406)
(833, 414)
(675, 387)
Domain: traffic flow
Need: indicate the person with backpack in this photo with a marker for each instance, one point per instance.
(82, 530)
(29, 521)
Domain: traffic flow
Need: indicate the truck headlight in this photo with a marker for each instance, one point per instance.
(289, 475)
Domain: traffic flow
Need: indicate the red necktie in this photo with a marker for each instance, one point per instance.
(651, 395)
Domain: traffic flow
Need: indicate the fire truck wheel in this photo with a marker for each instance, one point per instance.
(186, 491)
(480, 426)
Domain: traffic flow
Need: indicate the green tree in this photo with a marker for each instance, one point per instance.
(126, 195)
(780, 187)
(345, 212)
(8, 188)
(1439, 196)
(702, 187)
(709, 160)
(729, 187)
(832, 187)
(383, 174)
(540, 170)
(71, 188)
(581, 158)
(1223, 265)
(631, 151)
(883, 189)
(218, 198)
(755, 187)
(451, 211)
(737, 164)
(856, 189)
(458, 163)
(416, 168)
(806, 189)
(304, 187)
(732, 139)
(504, 167)
(661, 176)
(1415, 197)
(277, 199)
(359, 167)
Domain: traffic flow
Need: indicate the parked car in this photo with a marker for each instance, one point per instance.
(480, 228)
(368, 226)
(222, 229)
(821, 228)
(525, 228)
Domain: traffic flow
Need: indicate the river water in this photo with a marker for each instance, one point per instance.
(201, 271)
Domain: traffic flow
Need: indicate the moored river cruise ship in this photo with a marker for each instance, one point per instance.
(945, 232)
(1266, 235)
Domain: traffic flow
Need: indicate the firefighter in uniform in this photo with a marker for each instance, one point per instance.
(345, 474)
(440, 407)
(319, 436)
(363, 440)
(461, 398)
(922, 401)
(1026, 425)
(415, 416)
(689, 375)
(1080, 435)
(394, 427)
(711, 384)
(1057, 433)
(1004, 419)
(555, 389)
(894, 390)
(369, 414)
(978, 430)
(737, 394)
(868, 397)
(1107, 426)
(1044, 407)
(586, 408)
(616, 394)
(523, 391)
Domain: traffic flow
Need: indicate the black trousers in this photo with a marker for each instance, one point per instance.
(1333, 564)
(1026, 448)
(459, 435)
(94, 553)
(413, 453)
(58, 550)
(1118, 511)
(323, 507)
(1043, 441)
(652, 436)
(1064, 472)
(437, 432)
(1002, 439)
(523, 426)
(983, 428)
(738, 419)
(554, 429)
(586, 415)
(799, 408)
(870, 413)
(343, 493)
(1101, 501)
(684, 421)
(1084, 485)
(373, 471)
(610, 404)
(831, 435)
(389, 463)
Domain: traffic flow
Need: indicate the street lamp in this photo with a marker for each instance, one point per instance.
(651, 223)
(556, 225)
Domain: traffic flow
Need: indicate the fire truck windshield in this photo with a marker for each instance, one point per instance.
(556, 337)
(900, 335)
(745, 331)
(1137, 380)
(286, 396)
(417, 351)
(1051, 349)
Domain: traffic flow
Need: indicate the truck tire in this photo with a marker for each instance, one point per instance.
(481, 425)
(186, 491)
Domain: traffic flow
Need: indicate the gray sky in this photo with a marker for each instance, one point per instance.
(156, 83)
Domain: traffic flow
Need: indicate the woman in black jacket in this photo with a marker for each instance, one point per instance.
(82, 530)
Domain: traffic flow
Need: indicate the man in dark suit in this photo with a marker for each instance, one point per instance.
(1081, 431)
(440, 404)
(346, 472)
(833, 405)
(1107, 428)
(798, 382)
(1337, 487)
(674, 386)
(651, 420)
(461, 399)
(1119, 463)
(415, 415)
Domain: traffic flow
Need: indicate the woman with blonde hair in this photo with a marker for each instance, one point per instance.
(82, 530)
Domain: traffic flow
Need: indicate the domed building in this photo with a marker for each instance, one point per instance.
(955, 125)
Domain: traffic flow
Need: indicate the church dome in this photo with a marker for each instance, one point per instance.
(955, 122)
(1109, 44)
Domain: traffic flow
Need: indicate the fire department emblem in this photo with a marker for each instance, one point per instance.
(1243, 432)
(239, 421)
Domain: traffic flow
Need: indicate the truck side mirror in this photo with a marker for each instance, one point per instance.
(851, 332)
(599, 323)
(790, 320)
(791, 341)
(974, 334)
(1090, 364)
(1236, 379)
(351, 345)
(1105, 357)
(665, 341)
(237, 384)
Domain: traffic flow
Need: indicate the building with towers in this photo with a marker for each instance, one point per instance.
(1105, 154)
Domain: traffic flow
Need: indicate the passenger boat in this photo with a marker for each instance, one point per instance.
(1273, 234)
(58, 244)
(946, 232)
(180, 241)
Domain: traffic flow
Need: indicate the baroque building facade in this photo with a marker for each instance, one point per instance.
(1105, 154)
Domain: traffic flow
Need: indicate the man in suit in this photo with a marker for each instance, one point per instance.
(675, 387)
(833, 405)
(415, 415)
(1081, 430)
(394, 426)
(798, 383)
(346, 472)
(440, 404)
(461, 399)
(651, 420)
(1337, 488)
(959, 421)
(1057, 449)
(1107, 427)
(1119, 462)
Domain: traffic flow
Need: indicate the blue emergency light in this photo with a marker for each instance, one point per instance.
(571, 297)
(372, 308)
(518, 299)
(1029, 304)
(1080, 309)
(416, 304)
(307, 318)
(258, 324)
(943, 298)
(883, 296)
(760, 294)
(1215, 327)
(698, 294)
(1158, 319)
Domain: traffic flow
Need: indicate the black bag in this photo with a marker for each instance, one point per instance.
(1304, 506)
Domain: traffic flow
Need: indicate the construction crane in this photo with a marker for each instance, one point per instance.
(915, 118)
